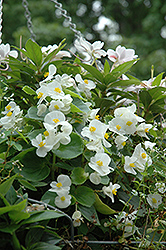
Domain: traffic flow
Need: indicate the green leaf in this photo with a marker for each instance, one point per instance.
(84, 195)
(44, 246)
(75, 109)
(80, 105)
(158, 79)
(6, 228)
(94, 72)
(101, 207)
(71, 150)
(145, 98)
(35, 168)
(73, 94)
(90, 214)
(42, 215)
(34, 52)
(18, 207)
(106, 67)
(32, 113)
(5, 186)
(26, 184)
(28, 90)
(121, 83)
(17, 216)
(78, 176)
(49, 198)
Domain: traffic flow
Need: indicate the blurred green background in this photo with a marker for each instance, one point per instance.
(138, 24)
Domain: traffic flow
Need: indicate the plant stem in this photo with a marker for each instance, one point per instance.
(16, 243)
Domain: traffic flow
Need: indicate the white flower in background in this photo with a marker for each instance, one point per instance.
(65, 80)
(119, 112)
(63, 200)
(55, 90)
(90, 50)
(96, 130)
(95, 178)
(120, 141)
(63, 183)
(142, 157)
(149, 144)
(41, 109)
(100, 163)
(5, 52)
(131, 164)
(42, 147)
(54, 118)
(50, 74)
(111, 190)
(77, 218)
(50, 48)
(143, 128)
(161, 187)
(121, 55)
(154, 200)
(117, 125)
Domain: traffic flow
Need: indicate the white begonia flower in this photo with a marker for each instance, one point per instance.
(149, 144)
(154, 200)
(131, 164)
(5, 52)
(121, 55)
(120, 141)
(77, 218)
(161, 187)
(95, 178)
(42, 147)
(117, 125)
(90, 50)
(100, 163)
(63, 200)
(10, 107)
(51, 72)
(84, 84)
(143, 128)
(50, 135)
(56, 105)
(92, 114)
(65, 80)
(54, 118)
(55, 90)
(63, 183)
(50, 48)
(142, 157)
(41, 108)
(42, 93)
(111, 190)
(95, 145)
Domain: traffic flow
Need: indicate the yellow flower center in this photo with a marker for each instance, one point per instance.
(123, 143)
(41, 144)
(56, 106)
(58, 90)
(106, 136)
(132, 165)
(114, 191)
(129, 123)
(99, 163)
(86, 81)
(59, 184)
(9, 113)
(143, 155)
(154, 200)
(92, 129)
(46, 133)
(63, 198)
(118, 127)
(8, 107)
(97, 117)
(40, 94)
(146, 130)
(56, 120)
(46, 74)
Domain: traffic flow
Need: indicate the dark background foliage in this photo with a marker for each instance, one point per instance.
(138, 24)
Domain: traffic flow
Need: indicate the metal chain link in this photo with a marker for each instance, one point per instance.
(28, 17)
(1, 21)
(72, 25)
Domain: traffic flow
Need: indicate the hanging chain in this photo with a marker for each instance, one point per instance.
(28, 17)
(72, 25)
(1, 21)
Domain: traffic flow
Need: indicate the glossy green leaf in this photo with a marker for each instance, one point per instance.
(106, 67)
(158, 79)
(44, 246)
(27, 184)
(34, 52)
(71, 150)
(94, 72)
(49, 198)
(90, 214)
(5, 186)
(28, 90)
(145, 98)
(73, 94)
(101, 207)
(85, 196)
(78, 176)
(80, 105)
(18, 207)
(32, 113)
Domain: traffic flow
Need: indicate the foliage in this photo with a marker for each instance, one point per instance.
(84, 138)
